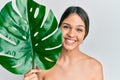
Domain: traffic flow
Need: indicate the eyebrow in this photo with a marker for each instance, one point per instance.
(76, 25)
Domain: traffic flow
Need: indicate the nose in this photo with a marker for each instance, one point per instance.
(71, 33)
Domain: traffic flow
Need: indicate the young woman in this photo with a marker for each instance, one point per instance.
(72, 64)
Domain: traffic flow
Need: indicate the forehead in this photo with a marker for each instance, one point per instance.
(74, 19)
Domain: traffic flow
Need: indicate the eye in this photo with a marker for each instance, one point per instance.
(66, 27)
(79, 30)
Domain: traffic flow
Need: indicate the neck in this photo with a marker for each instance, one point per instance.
(69, 56)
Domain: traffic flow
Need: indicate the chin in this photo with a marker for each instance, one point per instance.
(69, 48)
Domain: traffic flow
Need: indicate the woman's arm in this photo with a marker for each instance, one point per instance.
(99, 72)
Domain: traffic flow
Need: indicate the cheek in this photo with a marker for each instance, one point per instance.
(81, 36)
(64, 33)
(80, 40)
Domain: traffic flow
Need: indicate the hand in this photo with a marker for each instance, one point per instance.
(32, 74)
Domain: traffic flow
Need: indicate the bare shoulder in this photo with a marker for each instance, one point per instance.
(94, 67)
(95, 64)
(91, 62)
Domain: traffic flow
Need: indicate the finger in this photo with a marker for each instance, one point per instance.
(31, 77)
(32, 71)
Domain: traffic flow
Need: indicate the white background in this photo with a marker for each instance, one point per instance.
(103, 41)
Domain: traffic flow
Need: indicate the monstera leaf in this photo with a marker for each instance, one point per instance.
(28, 39)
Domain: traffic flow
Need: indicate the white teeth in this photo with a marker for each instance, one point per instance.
(70, 41)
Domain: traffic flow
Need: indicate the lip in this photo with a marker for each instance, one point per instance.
(69, 41)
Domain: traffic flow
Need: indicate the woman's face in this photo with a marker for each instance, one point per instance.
(73, 30)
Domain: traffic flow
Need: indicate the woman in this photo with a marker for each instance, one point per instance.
(72, 64)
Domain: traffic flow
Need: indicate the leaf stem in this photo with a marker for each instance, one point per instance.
(33, 61)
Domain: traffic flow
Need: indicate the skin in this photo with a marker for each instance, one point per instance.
(72, 63)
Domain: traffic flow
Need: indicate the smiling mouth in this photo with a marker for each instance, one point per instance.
(69, 41)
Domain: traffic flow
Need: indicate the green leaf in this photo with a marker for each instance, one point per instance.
(28, 39)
